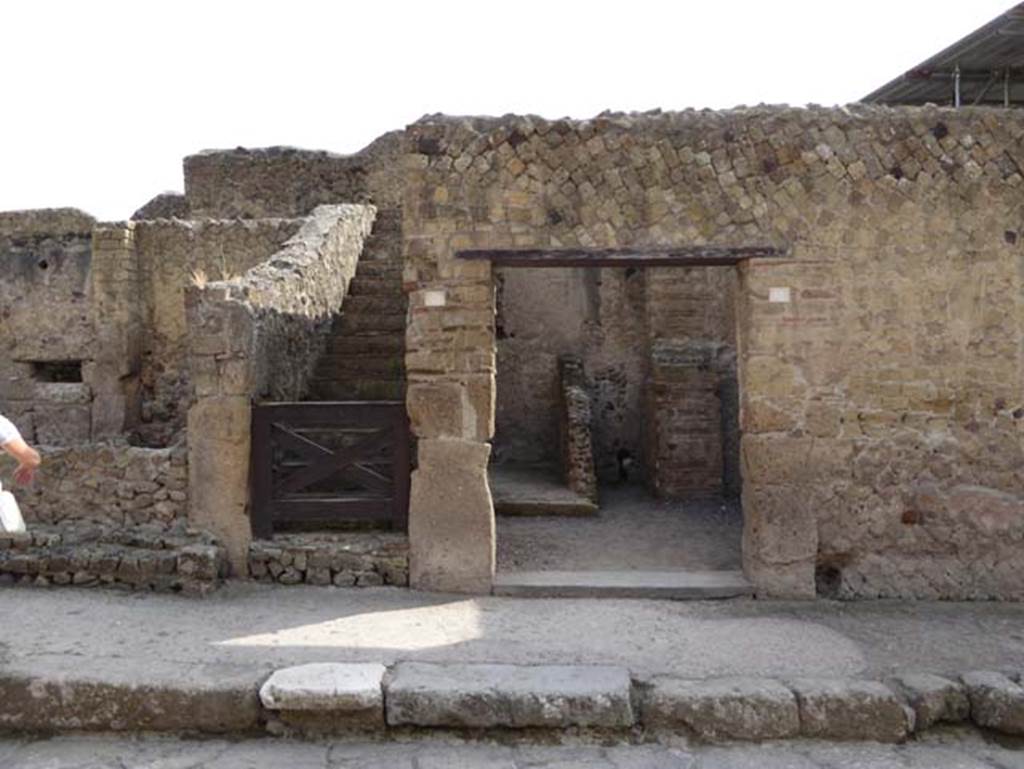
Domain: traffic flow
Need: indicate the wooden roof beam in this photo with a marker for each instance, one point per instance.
(687, 256)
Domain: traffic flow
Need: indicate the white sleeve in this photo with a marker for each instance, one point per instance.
(8, 432)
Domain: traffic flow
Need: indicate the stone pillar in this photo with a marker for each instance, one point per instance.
(118, 320)
(221, 345)
(786, 358)
(218, 473)
(450, 399)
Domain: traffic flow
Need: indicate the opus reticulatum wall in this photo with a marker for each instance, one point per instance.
(879, 361)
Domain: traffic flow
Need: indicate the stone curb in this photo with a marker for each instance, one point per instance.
(328, 698)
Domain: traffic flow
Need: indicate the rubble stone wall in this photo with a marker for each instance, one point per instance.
(109, 484)
(879, 361)
(138, 558)
(349, 559)
(258, 336)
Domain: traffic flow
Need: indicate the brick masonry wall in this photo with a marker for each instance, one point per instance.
(880, 404)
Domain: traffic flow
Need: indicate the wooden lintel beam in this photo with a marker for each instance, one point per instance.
(692, 256)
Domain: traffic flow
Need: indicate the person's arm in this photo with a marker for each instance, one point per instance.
(27, 457)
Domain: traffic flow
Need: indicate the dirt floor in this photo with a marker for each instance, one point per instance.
(632, 531)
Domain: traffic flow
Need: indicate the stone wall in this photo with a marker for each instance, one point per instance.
(878, 363)
(109, 484)
(172, 254)
(93, 339)
(258, 336)
(166, 205)
(139, 558)
(349, 559)
(45, 323)
(290, 182)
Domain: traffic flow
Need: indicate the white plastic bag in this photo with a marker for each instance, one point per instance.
(10, 515)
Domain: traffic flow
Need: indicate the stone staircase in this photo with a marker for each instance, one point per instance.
(365, 355)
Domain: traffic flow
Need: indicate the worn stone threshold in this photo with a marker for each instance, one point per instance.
(676, 585)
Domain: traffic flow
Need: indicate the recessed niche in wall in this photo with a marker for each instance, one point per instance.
(57, 370)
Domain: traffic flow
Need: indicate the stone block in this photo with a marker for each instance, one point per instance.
(723, 709)
(350, 693)
(841, 709)
(451, 518)
(996, 701)
(934, 699)
(508, 696)
(436, 409)
(223, 704)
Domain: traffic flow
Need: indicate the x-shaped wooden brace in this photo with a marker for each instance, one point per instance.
(325, 463)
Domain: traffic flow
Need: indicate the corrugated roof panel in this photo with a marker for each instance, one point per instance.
(986, 57)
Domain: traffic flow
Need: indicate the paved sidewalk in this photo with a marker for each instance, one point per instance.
(961, 752)
(246, 628)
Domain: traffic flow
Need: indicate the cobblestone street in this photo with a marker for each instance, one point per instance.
(950, 751)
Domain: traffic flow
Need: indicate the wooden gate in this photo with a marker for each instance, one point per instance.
(325, 463)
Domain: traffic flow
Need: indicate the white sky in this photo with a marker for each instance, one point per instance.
(100, 100)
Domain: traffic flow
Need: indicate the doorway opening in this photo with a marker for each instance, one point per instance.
(615, 460)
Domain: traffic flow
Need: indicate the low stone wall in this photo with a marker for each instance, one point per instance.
(362, 559)
(259, 336)
(89, 555)
(109, 484)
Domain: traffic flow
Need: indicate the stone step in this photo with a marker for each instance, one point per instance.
(509, 696)
(357, 321)
(677, 585)
(360, 390)
(390, 286)
(390, 366)
(377, 304)
(378, 268)
(366, 344)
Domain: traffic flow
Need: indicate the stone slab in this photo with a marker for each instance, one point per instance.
(623, 584)
(325, 686)
(849, 709)
(203, 702)
(723, 709)
(996, 701)
(508, 696)
(934, 699)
